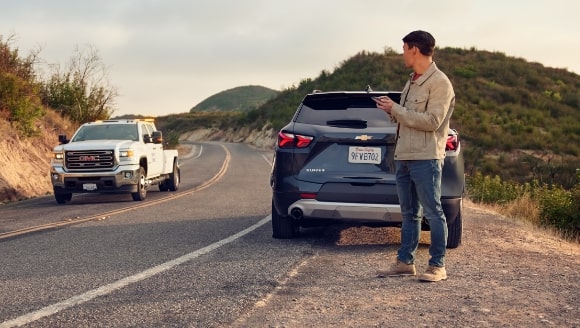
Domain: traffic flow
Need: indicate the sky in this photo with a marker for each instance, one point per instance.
(166, 56)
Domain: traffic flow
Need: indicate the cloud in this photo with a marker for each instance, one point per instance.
(172, 54)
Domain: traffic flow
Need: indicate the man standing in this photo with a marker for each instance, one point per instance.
(423, 115)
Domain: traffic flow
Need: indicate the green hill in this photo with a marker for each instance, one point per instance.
(517, 119)
(503, 103)
(237, 99)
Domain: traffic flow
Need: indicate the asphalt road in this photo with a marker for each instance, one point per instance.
(199, 257)
(204, 257)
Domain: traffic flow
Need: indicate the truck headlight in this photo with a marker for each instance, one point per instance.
(126, 153)
(59, 156)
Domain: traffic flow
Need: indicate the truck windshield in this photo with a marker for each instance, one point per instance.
(107, 132)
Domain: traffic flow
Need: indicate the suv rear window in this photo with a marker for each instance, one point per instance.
(342, 110)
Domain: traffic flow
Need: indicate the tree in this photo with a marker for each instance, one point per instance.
(82, 92)
(19, 102)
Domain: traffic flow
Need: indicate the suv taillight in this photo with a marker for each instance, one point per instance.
(452, 143)
(290, 140)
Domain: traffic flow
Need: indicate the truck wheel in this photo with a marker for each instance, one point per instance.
(141, 187)
(283, 227)
(173, 181)
(163, 186)
(454, 232)
(63, 198)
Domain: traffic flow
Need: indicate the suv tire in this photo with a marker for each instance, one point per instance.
(283, 227)
(454, 232)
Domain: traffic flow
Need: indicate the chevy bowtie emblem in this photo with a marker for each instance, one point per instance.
(364, 137)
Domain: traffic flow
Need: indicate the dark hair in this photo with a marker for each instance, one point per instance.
(424, 41)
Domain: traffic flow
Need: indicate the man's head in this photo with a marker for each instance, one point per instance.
(418, 50)
(424, 41)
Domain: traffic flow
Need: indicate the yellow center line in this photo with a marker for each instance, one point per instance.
(222, 171)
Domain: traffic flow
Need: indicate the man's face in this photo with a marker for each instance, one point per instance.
(409, 55)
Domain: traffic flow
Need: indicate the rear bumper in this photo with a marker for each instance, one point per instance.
(361, 212)
(311, 208)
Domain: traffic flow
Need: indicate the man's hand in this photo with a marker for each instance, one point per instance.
(384, 103)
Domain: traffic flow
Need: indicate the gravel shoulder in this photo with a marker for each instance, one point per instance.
(505, 274)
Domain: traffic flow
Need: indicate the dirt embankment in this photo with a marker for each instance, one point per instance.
(25, 162)
(261, 139)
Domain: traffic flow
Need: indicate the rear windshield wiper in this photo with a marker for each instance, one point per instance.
(357, 124)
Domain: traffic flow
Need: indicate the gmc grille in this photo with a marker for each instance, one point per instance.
(90, 160)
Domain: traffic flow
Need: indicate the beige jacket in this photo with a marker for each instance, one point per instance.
(423, 116)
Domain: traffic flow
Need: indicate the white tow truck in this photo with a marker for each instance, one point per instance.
(113, 156)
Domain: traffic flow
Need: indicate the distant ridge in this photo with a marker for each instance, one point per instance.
(242, 98)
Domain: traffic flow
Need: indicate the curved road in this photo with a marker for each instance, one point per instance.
(198, 257)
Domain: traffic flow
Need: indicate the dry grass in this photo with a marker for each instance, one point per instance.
(524, 208)
(526, 211)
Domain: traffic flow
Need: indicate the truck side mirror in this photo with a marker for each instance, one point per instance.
(157, 137)
(62, 139)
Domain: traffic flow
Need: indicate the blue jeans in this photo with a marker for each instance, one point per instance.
(419, 187)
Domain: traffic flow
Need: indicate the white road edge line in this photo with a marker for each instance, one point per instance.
(266, 159)
(200, 151)
(108, 289)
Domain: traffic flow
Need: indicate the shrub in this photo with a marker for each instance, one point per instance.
(19, 103)
(486, 189)
(558, 207)
(546, 205)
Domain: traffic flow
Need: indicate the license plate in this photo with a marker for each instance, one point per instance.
(365, 155)
(89, 186)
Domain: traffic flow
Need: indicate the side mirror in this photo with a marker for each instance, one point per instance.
(157, 137)
(62, 139)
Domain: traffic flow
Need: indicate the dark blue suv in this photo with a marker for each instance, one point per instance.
(334, 163)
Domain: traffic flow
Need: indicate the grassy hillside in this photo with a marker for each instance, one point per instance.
(517, 119)
(237, 99)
